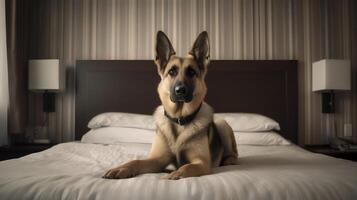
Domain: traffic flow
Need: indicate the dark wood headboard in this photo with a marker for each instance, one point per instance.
(267, 87)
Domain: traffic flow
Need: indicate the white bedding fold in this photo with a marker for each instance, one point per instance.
(74, 170)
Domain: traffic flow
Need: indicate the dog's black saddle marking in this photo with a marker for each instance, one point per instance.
(183, 120)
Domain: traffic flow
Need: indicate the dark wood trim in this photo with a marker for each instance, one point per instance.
(20, 150)
(327, 150)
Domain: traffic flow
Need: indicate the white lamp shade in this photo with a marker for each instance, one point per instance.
(44, 74)
(331, 74)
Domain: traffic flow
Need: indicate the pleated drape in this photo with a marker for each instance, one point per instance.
(17, 32)
(4, 81)
(306, 30)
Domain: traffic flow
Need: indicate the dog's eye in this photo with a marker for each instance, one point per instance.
(190, 72)
(173, 71)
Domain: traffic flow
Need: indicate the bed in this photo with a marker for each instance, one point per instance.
(73, 170)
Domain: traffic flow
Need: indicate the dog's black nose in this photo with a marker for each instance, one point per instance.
(180, 90)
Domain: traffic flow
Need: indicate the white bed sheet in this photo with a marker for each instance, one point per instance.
(73, 171)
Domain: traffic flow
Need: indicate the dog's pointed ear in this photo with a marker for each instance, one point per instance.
(164, 50)
(200, 50)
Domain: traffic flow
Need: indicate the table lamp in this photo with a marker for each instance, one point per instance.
(44, 77)
(330, 75)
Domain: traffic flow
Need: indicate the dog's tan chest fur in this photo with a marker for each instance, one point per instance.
(175, 135)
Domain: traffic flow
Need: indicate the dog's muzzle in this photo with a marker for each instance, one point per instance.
(181, 93)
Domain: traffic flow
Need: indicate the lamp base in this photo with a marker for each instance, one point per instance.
(48, 102)
(328, 103)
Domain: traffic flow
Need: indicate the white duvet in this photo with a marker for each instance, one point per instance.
(73, 171)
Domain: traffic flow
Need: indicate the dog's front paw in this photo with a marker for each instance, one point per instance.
(119, 173)
(175, 175)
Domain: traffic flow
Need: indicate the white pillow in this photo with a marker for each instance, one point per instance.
(249, 122)
(115, 135)
(260, 138)
(118, 119)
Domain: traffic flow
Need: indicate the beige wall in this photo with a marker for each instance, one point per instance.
(306, 30)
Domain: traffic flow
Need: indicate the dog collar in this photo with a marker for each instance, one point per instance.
(183, 120)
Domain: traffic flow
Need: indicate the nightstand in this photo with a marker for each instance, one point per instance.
(19, 150)
(327, 150)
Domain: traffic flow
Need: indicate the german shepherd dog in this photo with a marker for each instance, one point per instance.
(187, 135)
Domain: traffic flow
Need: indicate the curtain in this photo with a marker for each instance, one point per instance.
(17, 46)
(353, 13)
(305, 30)
(4, 87)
